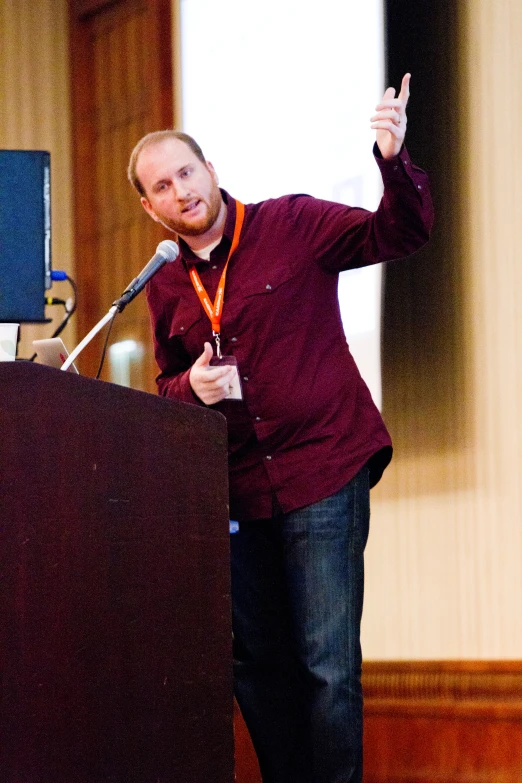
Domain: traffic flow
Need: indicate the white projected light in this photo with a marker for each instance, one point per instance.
(279, 95)
(121, 356)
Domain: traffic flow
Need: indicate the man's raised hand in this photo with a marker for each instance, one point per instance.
(390, 119)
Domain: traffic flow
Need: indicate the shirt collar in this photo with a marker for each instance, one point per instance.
(191, 259)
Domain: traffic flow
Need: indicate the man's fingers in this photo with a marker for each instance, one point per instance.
(390, 104)
(386, 114)
(227, 377)
(219, 376)
(405, 88)
(387, 125)
(211, 383)
(389, 101)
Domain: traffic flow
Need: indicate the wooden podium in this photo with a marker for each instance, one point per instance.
(115, 635)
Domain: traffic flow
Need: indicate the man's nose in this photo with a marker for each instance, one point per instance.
(181, 190)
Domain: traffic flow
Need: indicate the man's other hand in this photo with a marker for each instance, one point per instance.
(210, 384)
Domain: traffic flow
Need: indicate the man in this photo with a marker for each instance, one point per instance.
(306, 442)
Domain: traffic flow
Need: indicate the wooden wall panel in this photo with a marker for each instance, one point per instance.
(432, 722)
(443, 558)
(246, 766)
(443, 722)
(121, 63)
(34, 115)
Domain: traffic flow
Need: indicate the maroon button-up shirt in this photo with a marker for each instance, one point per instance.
(307, 423)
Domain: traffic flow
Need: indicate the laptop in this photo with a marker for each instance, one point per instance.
(52, 352)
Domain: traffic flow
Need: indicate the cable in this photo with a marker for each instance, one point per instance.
(69, 304)
(105, 344)
(70, 308)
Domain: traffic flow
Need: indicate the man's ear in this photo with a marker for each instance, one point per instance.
(145, 203)
(212, 170)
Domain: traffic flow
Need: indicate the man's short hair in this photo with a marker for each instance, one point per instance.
(156, 138)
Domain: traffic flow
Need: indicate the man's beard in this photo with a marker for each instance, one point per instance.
(196, 228)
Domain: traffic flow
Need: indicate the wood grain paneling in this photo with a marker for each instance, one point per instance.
(122, 89)
(443, 559)
(34, 115)
(431, 722)
(443, 722)
(246, 766)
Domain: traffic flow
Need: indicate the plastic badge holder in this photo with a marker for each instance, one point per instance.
(236, 392)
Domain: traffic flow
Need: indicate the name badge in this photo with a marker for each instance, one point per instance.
(235, 390)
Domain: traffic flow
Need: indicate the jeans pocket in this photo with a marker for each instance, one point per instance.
(359, 509)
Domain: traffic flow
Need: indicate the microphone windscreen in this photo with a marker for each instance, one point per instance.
(168, 249)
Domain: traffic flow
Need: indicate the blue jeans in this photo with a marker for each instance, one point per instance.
(297, 595)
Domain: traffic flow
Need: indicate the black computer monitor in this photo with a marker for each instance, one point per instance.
(25, 234)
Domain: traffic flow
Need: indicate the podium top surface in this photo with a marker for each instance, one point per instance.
(23, 383)
(81, 447)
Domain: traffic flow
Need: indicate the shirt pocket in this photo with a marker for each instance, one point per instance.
(186, 327)
(268, 281)
(276, 292)
(183, 318)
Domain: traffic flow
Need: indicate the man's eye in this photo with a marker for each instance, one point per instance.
(186, 173)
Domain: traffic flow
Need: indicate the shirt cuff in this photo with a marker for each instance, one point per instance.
(179, 388)
(399, 168)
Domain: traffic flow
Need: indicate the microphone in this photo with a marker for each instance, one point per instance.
(165, 252)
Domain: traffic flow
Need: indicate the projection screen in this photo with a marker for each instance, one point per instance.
(279, 94)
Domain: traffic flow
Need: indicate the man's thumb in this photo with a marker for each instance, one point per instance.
(206, 356)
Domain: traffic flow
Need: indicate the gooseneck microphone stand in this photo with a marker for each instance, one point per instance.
(166, 252)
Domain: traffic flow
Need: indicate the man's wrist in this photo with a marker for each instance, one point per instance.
(378, 153)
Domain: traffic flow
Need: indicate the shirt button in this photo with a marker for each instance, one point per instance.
(233, 340)
(245, 377)
(214, 266)
(419, 187)
(268, 457)
(258, 418)
(181, 328)
(269, 287)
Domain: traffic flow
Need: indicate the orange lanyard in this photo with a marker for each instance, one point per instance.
(214, 309)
